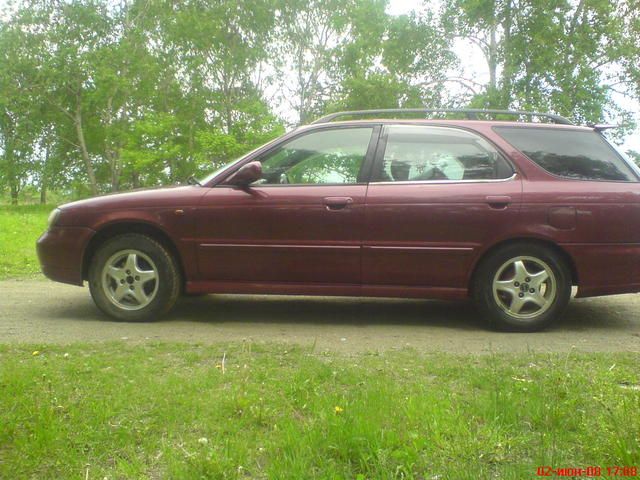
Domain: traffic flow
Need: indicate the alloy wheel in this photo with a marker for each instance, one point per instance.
(130, 279)
(524, 287)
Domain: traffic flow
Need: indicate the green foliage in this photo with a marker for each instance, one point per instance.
(156, 150)
(394, 62)
(377, 90)
(279, 411)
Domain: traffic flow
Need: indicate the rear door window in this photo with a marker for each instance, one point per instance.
(580, 155)
(424, 153)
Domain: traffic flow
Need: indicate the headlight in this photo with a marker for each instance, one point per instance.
(53, 217)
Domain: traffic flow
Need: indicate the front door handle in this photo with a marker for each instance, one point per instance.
(337, 203)
(498, 201)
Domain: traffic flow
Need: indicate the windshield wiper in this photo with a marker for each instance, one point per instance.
(193, 181)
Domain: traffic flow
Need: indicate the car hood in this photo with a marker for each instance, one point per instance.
(177, 195)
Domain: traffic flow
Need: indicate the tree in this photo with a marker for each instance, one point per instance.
(19, 108)
(310, 35)
(219, 44)
(562, 56)
(74, 33)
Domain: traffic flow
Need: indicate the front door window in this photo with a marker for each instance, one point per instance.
(326, 157)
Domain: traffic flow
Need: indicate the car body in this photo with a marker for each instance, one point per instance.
(389, 229)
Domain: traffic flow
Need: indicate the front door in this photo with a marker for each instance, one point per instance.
(300, 223)
(437, 195)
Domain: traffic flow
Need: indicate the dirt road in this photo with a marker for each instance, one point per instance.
(39, 311)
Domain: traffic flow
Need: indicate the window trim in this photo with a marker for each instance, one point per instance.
(628, 164)
(445, 182)
(363, 174)
(382, 147)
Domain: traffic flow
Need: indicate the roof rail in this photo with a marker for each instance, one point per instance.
(471, 114)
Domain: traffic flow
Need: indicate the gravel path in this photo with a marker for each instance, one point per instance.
(39, 311)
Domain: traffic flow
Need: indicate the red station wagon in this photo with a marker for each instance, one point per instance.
(508, 213)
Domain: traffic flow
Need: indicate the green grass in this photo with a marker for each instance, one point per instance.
(170, 411)
(20, 227)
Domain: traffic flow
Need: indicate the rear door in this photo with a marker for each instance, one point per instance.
(437, 195)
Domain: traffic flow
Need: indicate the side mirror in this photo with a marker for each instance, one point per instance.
(247, 174)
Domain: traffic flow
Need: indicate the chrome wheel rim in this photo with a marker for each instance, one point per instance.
(130, 279)
(524, 287)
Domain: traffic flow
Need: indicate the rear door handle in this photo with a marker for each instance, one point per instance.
(498, 201)
(337, 203)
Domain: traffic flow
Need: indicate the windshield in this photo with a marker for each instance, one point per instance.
(217, 172)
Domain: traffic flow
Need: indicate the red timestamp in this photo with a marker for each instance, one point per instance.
(590, 471)
(617, 471)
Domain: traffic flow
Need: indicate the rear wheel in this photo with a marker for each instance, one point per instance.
(132, 277)
(522, 287)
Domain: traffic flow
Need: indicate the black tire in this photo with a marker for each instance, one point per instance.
(163, 294)
(494, 307)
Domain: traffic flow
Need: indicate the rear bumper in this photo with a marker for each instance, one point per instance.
(61, 250)
(606, 269)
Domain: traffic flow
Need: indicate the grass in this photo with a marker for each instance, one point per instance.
(20, 227)
(118, 410)
(172, 411)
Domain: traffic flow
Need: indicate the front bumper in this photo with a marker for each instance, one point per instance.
(61, 251)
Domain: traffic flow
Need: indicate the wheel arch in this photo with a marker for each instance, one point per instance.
(529, 240)
(129, 226)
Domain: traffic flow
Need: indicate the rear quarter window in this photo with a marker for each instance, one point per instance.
(580, 155)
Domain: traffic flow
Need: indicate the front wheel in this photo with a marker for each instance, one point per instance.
(522, 287)
(132, 277)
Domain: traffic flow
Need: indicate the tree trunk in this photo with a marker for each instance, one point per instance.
(44, 176)
(506, 48)
(110, 152)
(83, 146)
(115, 181)
(135, 179)
(10, 160)
(228, 100)
(172, 170)
(493, 59)
(114, 166)
(14, 194)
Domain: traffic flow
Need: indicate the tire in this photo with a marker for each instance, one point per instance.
(134, 278)
(511, 291)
